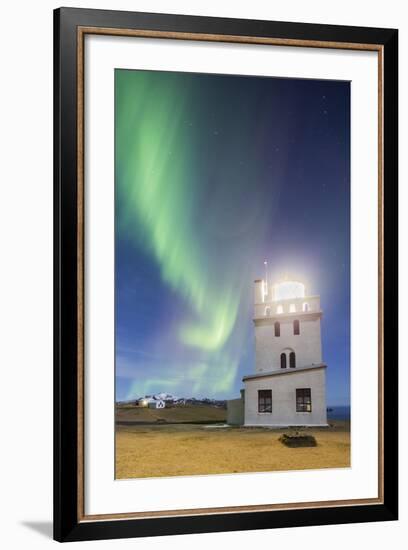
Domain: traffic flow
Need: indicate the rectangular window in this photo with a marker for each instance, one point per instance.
(296, 327)
(265, 401)
(303, 400)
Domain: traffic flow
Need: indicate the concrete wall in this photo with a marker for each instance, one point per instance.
(283, 388)
(306, 345)
(235, 412)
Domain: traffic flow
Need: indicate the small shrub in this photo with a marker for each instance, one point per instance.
(298, 440)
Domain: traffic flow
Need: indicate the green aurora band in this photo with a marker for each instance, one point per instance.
(159, 198)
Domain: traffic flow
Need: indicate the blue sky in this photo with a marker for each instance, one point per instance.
(215, 174)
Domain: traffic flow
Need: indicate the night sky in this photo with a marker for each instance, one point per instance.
(213, 175)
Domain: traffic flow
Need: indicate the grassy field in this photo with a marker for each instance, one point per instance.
(157, 443)
(128, 415)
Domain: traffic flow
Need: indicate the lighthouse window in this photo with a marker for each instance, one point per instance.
(296, 327)
(267, 311)
(305, 306)
(303, 400)
(277, 328)
(283, 360)
(279, 309)
(292, 308)
(292, 360)
(265, 401)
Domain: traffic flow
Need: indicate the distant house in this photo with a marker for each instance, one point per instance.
(145, 401)
(156, 404)
(167, 397)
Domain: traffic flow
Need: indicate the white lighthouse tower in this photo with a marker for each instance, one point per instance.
(288, 387)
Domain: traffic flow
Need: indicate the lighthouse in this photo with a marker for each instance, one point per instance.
(288, 387)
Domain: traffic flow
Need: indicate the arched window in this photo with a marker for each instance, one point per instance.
(279, 309)
(305, 306)
(296, 327)
(292, 360)
(292, 308)
(267, 311)
(283, 360)
(277, 328)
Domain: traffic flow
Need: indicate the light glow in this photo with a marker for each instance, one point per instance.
(287, 290)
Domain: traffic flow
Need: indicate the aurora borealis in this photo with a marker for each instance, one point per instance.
(214, 174)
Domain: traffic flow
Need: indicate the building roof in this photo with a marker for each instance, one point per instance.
(281, 372)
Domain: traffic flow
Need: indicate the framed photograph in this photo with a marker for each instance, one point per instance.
(225, 274)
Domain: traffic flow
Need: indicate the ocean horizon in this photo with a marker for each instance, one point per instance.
(338, 412)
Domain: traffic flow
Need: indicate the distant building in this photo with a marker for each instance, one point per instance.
(156, 404)
(288, 387)
(151, 402)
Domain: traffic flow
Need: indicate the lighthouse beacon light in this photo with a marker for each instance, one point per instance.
(287, 290)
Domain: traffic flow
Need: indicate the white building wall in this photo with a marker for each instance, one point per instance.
(235, 412)
(264, 305)
(306, 345)
(284, 399)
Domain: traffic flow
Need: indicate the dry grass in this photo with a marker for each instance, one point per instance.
(182, 449)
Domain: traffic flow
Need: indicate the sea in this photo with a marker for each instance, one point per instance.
(338, 413)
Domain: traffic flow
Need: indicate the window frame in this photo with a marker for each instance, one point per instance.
(304, 400)
(265, 400)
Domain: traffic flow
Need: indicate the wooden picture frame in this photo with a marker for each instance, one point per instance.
(71, 26)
